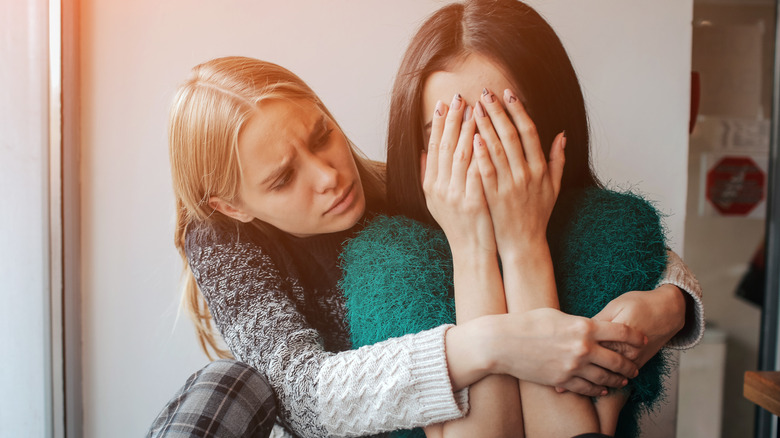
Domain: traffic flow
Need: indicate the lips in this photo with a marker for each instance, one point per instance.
(343, 202)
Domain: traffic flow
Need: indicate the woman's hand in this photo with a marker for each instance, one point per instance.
(566, 351)
(544, 346)
(451, 181)
(521, 187)
(658, 313)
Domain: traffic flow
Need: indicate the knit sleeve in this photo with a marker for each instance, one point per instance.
(678, 274)
(396, 384)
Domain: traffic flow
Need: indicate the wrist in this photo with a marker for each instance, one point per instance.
(523, 250)
(675, 299)
(471, 241)
(469, 358)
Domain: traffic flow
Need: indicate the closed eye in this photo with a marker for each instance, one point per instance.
(283, 180)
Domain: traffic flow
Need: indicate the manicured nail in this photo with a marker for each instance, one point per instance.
(487, 95)
(509, 96)
(467, 113)
(456, 102)
(439, 108)
(479, 110)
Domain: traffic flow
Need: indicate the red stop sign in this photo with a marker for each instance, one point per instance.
(735, 185)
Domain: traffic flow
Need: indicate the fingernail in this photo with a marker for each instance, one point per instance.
(487, 95)
(509, 96)
(439, 109)
(467, 113)
(636, 373)
(478, 141)
(479, 110)
(563, 141)
(564, 133)
(456, 102)
(624, 382)
(646, 340)
(604, 392)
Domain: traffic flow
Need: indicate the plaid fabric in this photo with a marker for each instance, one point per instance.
(225, 399)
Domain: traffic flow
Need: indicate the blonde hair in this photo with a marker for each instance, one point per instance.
(206, 117)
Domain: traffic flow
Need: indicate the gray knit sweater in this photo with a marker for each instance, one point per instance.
(275, 301)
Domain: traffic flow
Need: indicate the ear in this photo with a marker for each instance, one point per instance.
(229, 210)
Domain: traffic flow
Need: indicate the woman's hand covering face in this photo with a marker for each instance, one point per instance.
(520, 186)
(451, 181)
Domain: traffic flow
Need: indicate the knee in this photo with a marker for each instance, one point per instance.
(239, 382)
(224, 398)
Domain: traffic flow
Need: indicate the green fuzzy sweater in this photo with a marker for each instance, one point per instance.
(397, 275)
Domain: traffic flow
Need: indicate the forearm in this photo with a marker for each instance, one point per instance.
(479, 290)
(494, 400)
(530, 284)
(529, 279)
(400, 383)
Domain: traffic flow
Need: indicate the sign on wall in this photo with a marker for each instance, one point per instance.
(734, 185)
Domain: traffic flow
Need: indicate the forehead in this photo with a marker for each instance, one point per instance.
(278, 119)
(273, 131)
(467, 76)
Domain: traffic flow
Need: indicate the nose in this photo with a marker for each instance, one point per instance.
(324, 175)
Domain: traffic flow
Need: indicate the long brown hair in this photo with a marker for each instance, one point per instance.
(514, 36)
(206, 118)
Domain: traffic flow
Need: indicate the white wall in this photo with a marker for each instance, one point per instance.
(25, 404)
(634, 59)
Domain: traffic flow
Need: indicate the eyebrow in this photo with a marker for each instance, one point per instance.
(317, 129)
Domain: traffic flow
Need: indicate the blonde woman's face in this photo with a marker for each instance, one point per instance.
(299, 174)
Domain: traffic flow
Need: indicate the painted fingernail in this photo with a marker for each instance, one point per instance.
(478, 141)
(487, 95)
(509, 96)
(456, 101)
(467, 113)
(479, 110)
(439, 109)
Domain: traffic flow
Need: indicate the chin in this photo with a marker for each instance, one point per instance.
(355, 214)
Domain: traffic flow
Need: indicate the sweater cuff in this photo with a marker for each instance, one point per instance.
(437, 400)
(678, 274)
